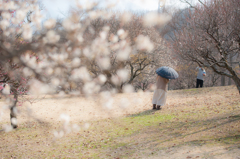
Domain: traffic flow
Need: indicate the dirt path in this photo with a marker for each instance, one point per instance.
(49, 109)
(81, 109)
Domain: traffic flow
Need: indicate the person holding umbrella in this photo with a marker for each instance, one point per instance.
(160, 93)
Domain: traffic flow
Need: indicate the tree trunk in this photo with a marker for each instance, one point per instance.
(13, 117)
(13, 108)
(236, 79)
(222, 80)
(230, 79)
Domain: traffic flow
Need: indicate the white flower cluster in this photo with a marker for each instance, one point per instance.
(8, 6)
(121, 77)
(50, 23)
(90, 88)
(51, 37)
(67, 127)
(70, 25)
(27, 32)
(144, 43)
(106, 99)
(81, 74)
(6, 89)
(154, 18)
(39, 88)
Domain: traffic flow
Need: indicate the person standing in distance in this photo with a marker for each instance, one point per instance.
(201, 74)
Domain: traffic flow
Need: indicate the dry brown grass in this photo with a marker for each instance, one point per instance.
(196, 123)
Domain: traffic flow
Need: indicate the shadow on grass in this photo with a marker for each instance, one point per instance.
(213, 122)
(191, 133)
(146, 112)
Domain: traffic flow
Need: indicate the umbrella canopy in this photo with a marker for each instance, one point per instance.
(167, 72)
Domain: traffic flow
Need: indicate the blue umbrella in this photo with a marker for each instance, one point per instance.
(167, 72)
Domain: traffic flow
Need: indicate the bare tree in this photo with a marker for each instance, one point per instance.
(210, 36)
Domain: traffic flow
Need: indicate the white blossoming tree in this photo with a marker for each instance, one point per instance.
(64, 54)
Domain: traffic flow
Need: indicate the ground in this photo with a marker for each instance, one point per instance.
(195, 123)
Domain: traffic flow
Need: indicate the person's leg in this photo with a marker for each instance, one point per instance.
(154, 99)
(154, 106)
(201, 83)
(197, 84)
(159, 107)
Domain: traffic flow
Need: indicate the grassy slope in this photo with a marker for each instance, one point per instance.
(197, 123)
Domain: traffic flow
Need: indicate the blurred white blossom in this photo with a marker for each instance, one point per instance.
(50, 23)
(58, 71)
(86, 126)
(51, 37)
(126, 17)
(122, 34)
(103, 35)
(59, 134)
(59, 57)
(27, 72)
(81, 74)
(106, 15)
(115, 46)
(14, 121)
(123, 74)
(138, 101)
(27, 32)
(124, 103)
(21, 14)
(128, 88)
(49, 71)
(6, 89)
(6, 15)
(93, 15)
(75, 127)
(88, 53)
(69, 25)
(153, 18)
(37, 17)
(113, 38)
(7, 128)
(80, 38)
(115, 80)
(102, 79)
(77, 52)
(55, 81)
(144, 43)
(106, 99)
(104, 63)
(76, 62)
(38, 88)
(123, 54)
(90, 88)
(4, 24)
(65, 118)
(10, 5)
